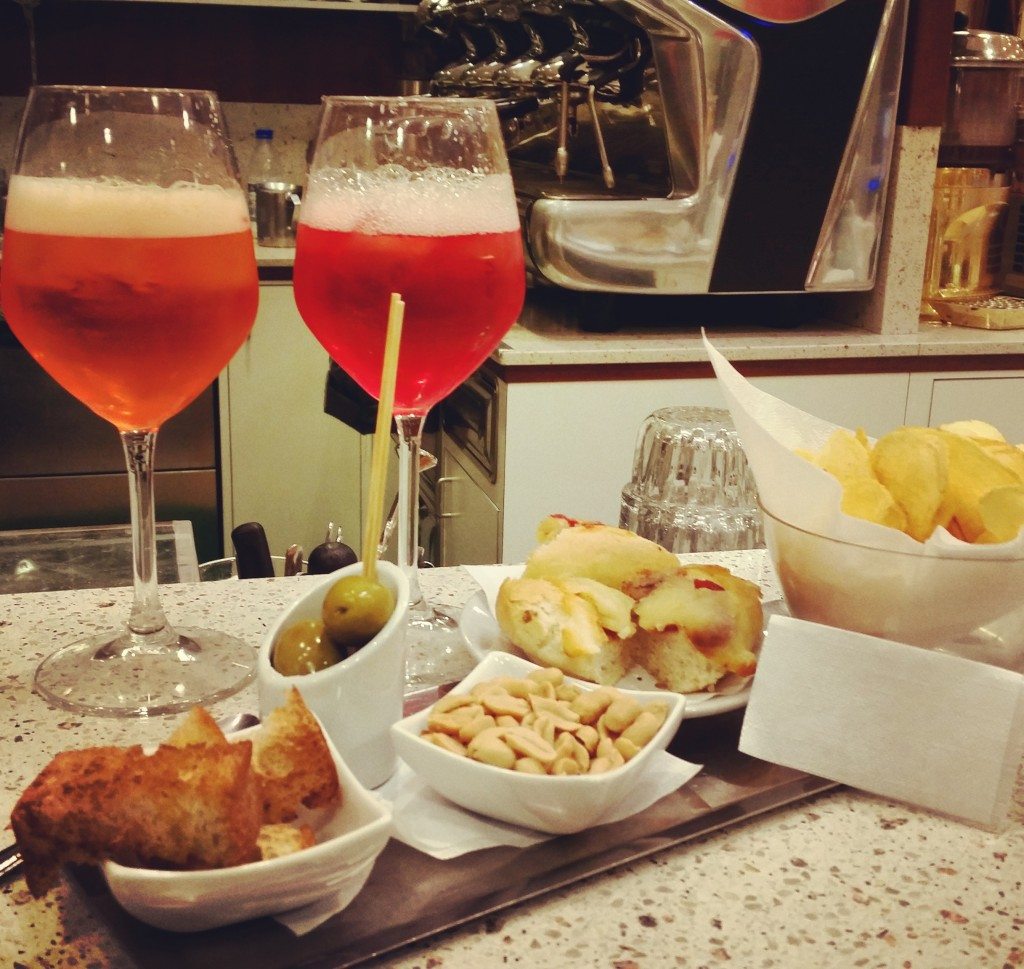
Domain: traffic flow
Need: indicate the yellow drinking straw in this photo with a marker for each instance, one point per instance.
(382, 438)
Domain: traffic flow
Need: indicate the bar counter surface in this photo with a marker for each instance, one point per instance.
(841, 879)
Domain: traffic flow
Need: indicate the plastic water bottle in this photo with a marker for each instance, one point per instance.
(261, 168)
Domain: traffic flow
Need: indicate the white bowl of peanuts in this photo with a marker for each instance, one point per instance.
(533, 747)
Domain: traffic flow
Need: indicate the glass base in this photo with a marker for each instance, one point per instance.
(131, 676)
(438, 653)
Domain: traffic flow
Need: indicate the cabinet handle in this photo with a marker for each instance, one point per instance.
(441, 513)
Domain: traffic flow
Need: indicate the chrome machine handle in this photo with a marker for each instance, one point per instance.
(441, 513)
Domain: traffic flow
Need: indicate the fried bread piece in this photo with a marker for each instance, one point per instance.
(275, 840)
(293, 762)
(198, 727)
(187, 807)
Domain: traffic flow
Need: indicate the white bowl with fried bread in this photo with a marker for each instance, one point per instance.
(359, 698)
(552, 804)
(349, 837)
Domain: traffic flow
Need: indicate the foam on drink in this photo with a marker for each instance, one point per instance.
(113, 209)
(395, 201)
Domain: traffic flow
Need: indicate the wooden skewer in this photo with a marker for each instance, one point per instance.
(382, 438)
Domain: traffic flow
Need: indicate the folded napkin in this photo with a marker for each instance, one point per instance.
(931, 729)
(426, 821)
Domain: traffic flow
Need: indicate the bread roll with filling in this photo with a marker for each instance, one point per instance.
(595, 600)
(696, 625)
(588, 550)
(556, 627)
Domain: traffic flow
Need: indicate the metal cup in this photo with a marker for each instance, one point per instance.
(277, 205)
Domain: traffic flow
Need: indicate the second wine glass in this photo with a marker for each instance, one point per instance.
(411, 196)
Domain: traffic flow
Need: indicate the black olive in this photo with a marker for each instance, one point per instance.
(329, 557)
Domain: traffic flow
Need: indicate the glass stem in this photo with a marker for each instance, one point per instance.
(410, 434)
(147, 616)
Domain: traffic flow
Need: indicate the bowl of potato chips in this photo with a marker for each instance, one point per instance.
(916, 536)
(938, 560)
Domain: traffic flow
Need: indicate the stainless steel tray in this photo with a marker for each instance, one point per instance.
(411, 896)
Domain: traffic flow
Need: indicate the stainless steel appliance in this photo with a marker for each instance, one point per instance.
(62, 465)
(675, 146)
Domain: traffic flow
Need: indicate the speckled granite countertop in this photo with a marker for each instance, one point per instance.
(547, 334)
(844, 879)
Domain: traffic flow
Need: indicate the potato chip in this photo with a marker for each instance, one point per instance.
(844, 456)
(972, 474)
(869, 499)
(916, 479)
(914, 465)
(1006, 454)
(1002, 511)
(973, 428)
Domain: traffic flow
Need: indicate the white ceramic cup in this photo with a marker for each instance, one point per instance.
(358, 699)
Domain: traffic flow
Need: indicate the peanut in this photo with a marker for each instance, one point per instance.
(445, 742)
(500, 704)
(642, 730)
(488, 747)
(542, 724)
(472, 727)
(564, 766)
(589, 706)
(551, 675)
(452, 701)
(529, 744)
(622, 712)
(527, 765)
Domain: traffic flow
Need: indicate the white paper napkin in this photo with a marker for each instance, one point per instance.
(426, 821)
(931, 729)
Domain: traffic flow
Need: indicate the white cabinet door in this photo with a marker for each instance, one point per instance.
(995, 398)
(287, 464)
(469, 520)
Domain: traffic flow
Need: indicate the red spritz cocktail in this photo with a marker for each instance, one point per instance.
(410, 196)
(343, 282)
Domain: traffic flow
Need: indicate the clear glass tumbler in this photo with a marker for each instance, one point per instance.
(691, 489)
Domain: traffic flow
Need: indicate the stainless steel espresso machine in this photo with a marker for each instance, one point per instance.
(678, 147)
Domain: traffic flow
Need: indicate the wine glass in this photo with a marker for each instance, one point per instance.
(410, 196)
(129, 275)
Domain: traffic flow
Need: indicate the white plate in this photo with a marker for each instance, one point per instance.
(483, 636)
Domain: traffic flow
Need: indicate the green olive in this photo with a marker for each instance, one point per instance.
(304, 648)
(355, 609)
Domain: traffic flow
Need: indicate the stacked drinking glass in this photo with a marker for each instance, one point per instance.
(691, 489)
